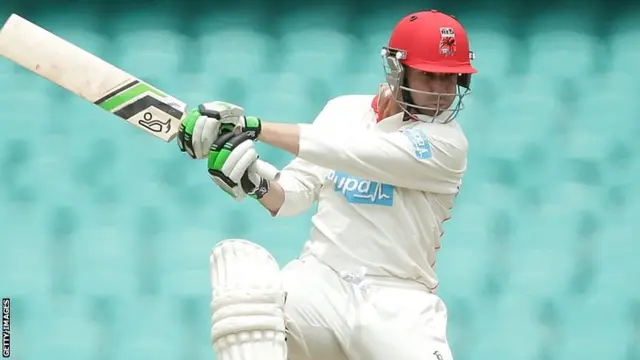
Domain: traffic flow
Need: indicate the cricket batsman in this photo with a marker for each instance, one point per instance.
(384, 171)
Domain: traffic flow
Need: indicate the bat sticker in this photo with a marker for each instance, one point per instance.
(154, 125)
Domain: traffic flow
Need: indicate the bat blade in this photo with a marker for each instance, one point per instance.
(91, 78)
(97, 81)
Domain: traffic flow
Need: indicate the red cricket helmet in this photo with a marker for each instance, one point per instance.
(428, 41)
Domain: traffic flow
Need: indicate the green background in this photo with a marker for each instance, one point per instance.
(105, 231)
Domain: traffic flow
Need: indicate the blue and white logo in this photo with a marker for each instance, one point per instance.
(360, 191)
(420, 142)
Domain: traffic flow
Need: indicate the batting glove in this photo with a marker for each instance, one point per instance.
(202, 126)
(232, 166)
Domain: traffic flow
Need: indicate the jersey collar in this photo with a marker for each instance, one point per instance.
(374, 107)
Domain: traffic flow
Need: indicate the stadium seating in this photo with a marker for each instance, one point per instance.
(105, 232)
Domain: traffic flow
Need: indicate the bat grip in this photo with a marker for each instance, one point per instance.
(266, 170)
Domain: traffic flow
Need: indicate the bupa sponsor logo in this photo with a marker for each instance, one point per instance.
(361, 191)
(420, 142)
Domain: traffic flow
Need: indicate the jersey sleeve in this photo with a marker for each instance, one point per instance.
(302, 180)
(411, 158)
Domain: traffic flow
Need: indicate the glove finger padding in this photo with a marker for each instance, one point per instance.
(239, 160)
(185, 133)
(230, 157)
(217, 149)
(219, 110)
(204, 133)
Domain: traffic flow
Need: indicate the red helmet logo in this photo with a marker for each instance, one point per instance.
(432, 41)
(447, 42)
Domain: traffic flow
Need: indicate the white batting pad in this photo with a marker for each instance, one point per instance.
(247, 311)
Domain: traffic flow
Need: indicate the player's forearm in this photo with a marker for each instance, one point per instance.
(274, 198)
(338, 151)
(386, 157)
(282, 136)
(333, 151)
(389, 158)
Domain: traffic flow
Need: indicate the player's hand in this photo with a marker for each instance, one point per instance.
(232, 166)
(202, 126)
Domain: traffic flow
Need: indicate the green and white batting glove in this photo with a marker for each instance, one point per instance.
(202, 126)
(232, 166)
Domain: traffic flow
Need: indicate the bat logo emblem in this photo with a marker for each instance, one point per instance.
(154, 125)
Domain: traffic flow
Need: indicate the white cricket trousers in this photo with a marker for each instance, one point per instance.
(333, 316)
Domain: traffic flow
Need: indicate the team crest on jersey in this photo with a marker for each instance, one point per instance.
(419, 142)
(447, 41)
(361, 191)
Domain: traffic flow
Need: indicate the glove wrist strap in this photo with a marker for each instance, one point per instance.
(252, 126)
(261, 189)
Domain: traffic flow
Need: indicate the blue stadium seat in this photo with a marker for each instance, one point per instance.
(25, 251)
(493, 50)
(560, 45)
(585, 320)
(150, 35)
(520, 120)
(505, 327)
(235, 52)
(318, 53)
(622, 55)
(282, 97)
(363, 83)
(60, 328)
(494, 46)
(157, 53)
(29, 109)
(160, 18)
(616, 255)
(617, 81)
(327, 16)
(373, 32)
(195, 315)
(594, 116)
(141, 322)
(107, 232)
(559, 54)
(539, 267)
(196, 88)
(106, 261)
(461, 245)
(183, 257)
(564, 191)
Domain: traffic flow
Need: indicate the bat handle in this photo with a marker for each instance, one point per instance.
(266, 170)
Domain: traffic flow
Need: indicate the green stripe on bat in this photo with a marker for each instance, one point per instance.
(124, 97)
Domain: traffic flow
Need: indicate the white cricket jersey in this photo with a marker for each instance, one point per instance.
(384, 188)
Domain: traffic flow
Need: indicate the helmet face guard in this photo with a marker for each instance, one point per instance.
(431, 42)
(395, 74)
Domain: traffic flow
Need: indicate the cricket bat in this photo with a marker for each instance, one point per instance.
(95, 80)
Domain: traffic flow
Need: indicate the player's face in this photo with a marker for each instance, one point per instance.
(441, 88)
